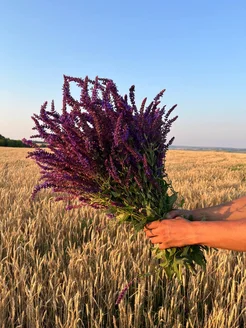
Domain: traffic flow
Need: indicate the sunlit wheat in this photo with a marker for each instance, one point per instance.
(65, 269)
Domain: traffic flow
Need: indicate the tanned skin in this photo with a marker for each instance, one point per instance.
(224, 227)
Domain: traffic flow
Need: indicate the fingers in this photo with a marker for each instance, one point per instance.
(169, 232)
(150, 233)
(155, 224)
(156, 227)
(152, 225)
(156, 236)
(170, 215)
(156, 239)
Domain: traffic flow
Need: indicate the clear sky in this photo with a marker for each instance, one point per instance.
(196, 50)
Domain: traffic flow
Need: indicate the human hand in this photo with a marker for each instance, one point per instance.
(176, 232)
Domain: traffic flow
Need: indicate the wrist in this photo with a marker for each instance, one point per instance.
(193, 235)
(204, 214)
(205, 233)
(196, 232)
(220, 234)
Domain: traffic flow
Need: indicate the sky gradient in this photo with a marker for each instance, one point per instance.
(196, 50)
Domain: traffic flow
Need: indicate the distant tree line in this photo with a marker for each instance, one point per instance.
(6, 142)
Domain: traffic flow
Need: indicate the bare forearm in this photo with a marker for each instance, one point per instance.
(234, 210)
(229, 235)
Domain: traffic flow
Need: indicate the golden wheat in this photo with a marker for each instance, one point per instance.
(65, 268)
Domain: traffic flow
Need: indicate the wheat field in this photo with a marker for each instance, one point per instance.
(66, 268)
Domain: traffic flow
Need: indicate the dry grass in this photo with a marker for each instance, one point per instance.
(65, 269)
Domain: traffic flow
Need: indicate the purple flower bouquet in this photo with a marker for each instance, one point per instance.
(104, 152)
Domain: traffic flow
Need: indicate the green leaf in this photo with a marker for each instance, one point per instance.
(123, 217)
(199, 259)
(172, 251)
(181, 204)
(177, 270)
(115, 194)
(172, 199)
(185, 251)
(168, 271)
(149, 211)
(139, 226)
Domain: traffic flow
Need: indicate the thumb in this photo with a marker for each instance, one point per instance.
(172, 214)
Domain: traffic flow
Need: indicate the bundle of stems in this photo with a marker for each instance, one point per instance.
(104, 152)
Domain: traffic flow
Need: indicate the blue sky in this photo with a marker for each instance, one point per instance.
(196, 50)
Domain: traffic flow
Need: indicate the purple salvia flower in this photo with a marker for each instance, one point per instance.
(142, 106)
(66, 92)
(123, 292)
(170, 122)
(29, 143)
(117, 131)
(128, 177)
(34, 136)
(157, 122)
(65, 198)
(159, 95)
(100, 136)
(43, 108)
(95, 90)
(44, 185)
(148, 109)
(71, 207)
(170, 142)
(132, 98)
(146, 166)
(98, 128)
(53, 107)
(110, 216)
(117, 204)
(97, 206)
(113, 171)
(134, 153)
(169, 112)
(85, 98)
(138, 183)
